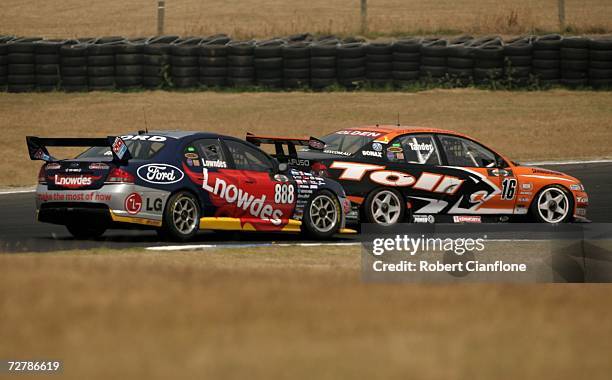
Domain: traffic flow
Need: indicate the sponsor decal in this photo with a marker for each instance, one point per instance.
(191, 162)
(144, 138)
(544, 171)
(153, 204)
(73, 181)
(520, 210)
(394, 149)
(581, 211)
(359, 133)
(133, 203)
(377, 147)
(421, 146)
(298, 162)
(87, 196)
(371, 153)
(161, 174)
(41, 155)
(52, 166)
(192, 156)
(242, 199)
(467, 219)
(582, 199)
(190, 149)
(281, 178)
(119, 148)
(315, 144)
(337, 152)
(284, 193)
(576, 187)
(424, 219)
(73, 170)
(527, 186)
(523, 199)
(98, 166)
(214, 163)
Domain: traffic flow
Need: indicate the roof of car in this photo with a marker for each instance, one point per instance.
(176, 134)
(400, 129)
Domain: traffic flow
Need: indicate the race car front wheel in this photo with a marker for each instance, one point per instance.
(85, 232)
(323, 216)
(553, 204)
(181, 217)
(384, 207)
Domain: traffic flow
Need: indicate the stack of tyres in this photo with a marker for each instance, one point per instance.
(574, 61)
(21, 66)
(600, 63)
(379, 63)
(213, 62)
(517, 61)
(406, 61)
(73, 66)
(47, 60)
(323, 64)
(128, 64)
(433, 60)
(156, 61)
(460, 61)
(489, 62)
(546, 60)
(351, 59)
(101, 63)
(4, 59)
(268, 63)
(184, 66)
(296, 64)
(240, 61)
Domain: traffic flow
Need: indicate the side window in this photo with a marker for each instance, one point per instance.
(414, 149)
(248, 158)
(463, 152)
(205, 152)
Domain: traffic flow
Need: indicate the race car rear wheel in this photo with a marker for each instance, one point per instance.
(322, 216)
(181, 217)
(384, 207)
(85, 232)
(553, 204)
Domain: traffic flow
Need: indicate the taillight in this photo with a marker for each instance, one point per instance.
(119, 176)
(42, 175)
(319, 169)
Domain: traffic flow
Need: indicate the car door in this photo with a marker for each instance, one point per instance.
(206, 164)
(489, 185)
(266, 199)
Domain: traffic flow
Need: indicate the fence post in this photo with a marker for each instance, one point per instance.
(562, 14)
(364, 16)
(161, 10)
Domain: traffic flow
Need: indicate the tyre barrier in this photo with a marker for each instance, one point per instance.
(301, 61)
(406, 61)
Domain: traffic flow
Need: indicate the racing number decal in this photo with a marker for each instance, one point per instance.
(283, 193)
(508, 188)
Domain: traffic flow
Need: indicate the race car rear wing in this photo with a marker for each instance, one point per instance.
(37, 146)
(290, 142)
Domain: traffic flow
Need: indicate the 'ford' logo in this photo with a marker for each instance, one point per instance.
(160, 173)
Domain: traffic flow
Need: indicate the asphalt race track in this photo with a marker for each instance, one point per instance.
(19, 231)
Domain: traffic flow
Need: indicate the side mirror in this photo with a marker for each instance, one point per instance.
(282, 167)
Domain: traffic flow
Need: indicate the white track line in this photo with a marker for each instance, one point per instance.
(194, 247)
(544, 163)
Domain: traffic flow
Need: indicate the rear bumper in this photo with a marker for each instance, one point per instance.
(105, 206)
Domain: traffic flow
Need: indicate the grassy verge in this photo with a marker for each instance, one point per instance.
(557, 124)
(301, 313)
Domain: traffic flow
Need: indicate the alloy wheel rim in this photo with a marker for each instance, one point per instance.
(386, 208)
(323, 213)
(184, 215)
(553, 205)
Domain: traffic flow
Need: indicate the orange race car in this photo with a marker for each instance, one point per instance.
(408, 174)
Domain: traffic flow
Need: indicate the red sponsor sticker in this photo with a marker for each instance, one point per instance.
(133, 203)
(467, 219)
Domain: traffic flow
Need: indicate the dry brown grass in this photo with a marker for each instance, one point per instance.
(523, 125)
(299, 313)
(257, 18)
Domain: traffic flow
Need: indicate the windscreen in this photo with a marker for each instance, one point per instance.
(348, 142)
(140, 150)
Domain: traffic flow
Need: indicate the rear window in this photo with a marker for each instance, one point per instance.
(140, 150)
(348, 142)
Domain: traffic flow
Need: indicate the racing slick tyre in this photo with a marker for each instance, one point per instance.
(323, 216)
(384, 207)
(553, 204)
(181, 219)
(80, 231)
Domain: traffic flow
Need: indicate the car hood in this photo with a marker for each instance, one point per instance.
(536, 173)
